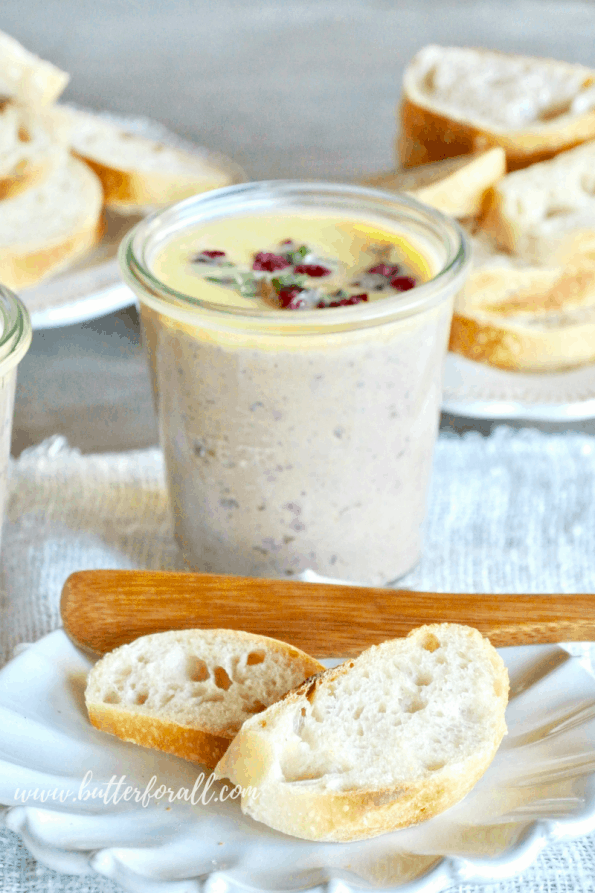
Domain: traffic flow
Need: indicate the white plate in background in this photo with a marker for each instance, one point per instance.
(540, 787)
(478, 391)
(87, 290)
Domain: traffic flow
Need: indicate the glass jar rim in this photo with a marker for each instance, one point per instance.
(16, 331)
(187, 213)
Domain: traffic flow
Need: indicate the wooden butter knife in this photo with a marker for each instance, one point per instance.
(102, 609)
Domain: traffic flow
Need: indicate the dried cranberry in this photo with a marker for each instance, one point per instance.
(345, 302)
(203, 257)
(268, 262)
(403, 283)
(387, 270)
(288, 294)
(314, 270)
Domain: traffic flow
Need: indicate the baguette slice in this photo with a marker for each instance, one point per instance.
(546, 210)
(140, 174)
(458, 100)
(26, 78)
(455, 186)
(45, 228)
(188, 692)
(379, 743)
(527, 319)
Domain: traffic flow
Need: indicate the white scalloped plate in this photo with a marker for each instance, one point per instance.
(89, 289)
(540, 787)
(479, 391)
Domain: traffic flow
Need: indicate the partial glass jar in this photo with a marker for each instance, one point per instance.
(15, 338)
(299, 440)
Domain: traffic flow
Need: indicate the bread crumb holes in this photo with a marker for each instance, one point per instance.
(423, 679)
(255, 657)
(222, 680)
(498, 688)
(256, 707)
(196, 669)
(430, 642)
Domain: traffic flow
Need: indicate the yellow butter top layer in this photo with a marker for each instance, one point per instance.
(348, 247)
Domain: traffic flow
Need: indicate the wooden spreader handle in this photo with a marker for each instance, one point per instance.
(102, 609)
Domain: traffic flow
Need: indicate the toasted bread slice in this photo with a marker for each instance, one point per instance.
(140, 174)
(379, 743)
(455, 186)
(457, 100)
(188, 692)
(26, 78)
(46, 227)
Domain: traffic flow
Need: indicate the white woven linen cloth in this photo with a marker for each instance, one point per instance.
(513, 512)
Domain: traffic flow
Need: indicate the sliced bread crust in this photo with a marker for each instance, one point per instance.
(25, 77)
(456, 186)
(46, 227)
(458, 100)
(546, 209)
(379, 743)
(529, 319)
(187, 692)
(32, 145)
(140, 174)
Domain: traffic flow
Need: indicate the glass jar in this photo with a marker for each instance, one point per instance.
(15, 338)
(299, 439)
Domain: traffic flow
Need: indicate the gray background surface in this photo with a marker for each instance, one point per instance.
(302, 88)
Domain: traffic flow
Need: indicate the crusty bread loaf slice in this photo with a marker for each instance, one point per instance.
(140, 174)
(25, 77)
(455, 186)
(544, 211)
(188, 692)
(45, 228)
(527, 319)
(379, 743)
(457, 100)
